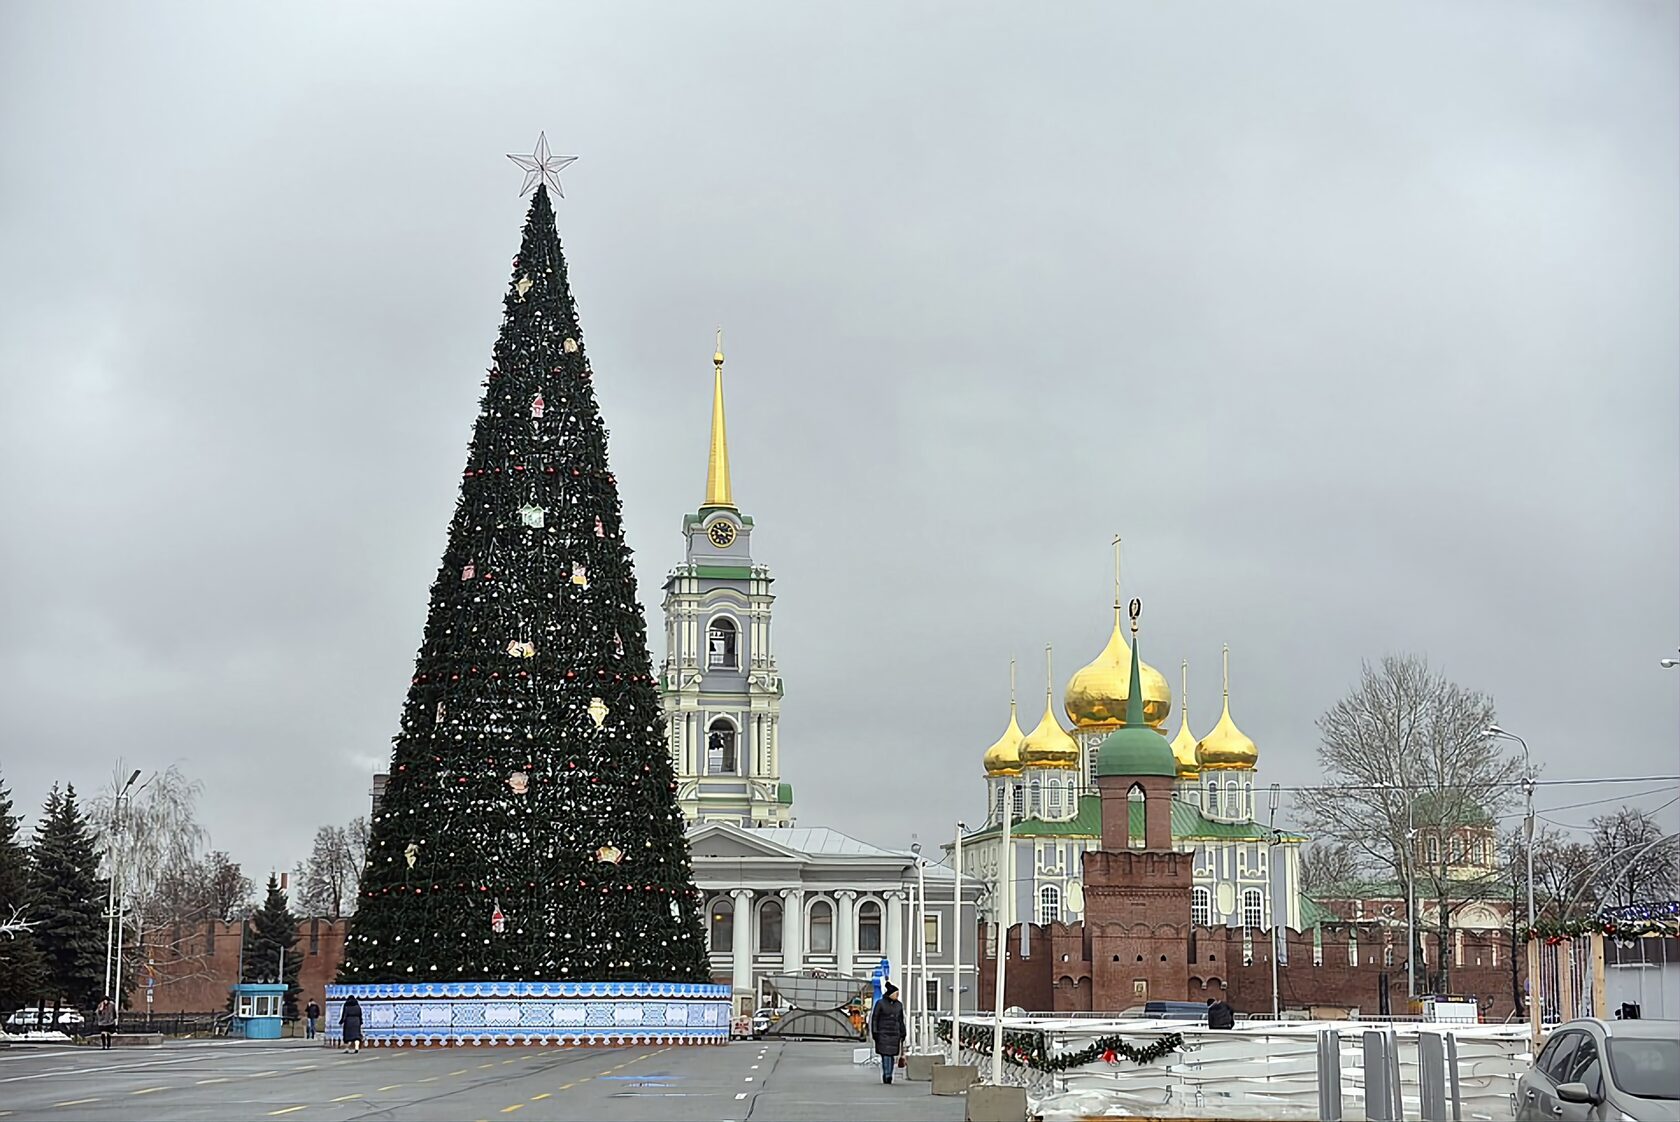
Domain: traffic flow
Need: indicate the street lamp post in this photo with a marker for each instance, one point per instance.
(1528, 816)
(956, 952)
(113, 918)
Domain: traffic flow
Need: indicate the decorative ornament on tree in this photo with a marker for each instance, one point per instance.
(618, 644)
(441, 710)
(580, 574)
(519, 781)
(522, 648)
(468, 571)
(598, 711)
(532, 515)
(523, 286)
(609, 854)
(411, 854)
(498, 921)
(537, 406)
(600, 530)
(569, 346)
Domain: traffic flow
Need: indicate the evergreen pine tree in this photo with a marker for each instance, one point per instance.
(530, 828)
(271, 930)
(68, 901)
(21, 970)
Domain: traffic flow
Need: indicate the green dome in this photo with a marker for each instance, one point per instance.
(1136, 750)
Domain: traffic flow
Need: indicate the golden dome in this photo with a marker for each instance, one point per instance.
(1049, 745)
(1226, 748)
(1184, 744)
(1004, 757)
(1096, 697)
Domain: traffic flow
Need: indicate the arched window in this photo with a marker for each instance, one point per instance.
(1136, 809)
(869, 927)
(1456, 847)
(997, 807)
(770, 927)
(1388, 950)
(1213, 796)
(1034, 807)
(1049, 904)
(1318, 946)
(721, 756)
(1019, 800)
(1432, 847)
(1201, 906)
(723, 924)
(1233, 808)
(822, 928)
(1353, 947)
(1053, 798)
(1253, 908)
(721, 645)
(1458, 947)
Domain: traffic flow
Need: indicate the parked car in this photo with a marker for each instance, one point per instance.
(1592, 1069)
(1168, 1011)
(34, 1019)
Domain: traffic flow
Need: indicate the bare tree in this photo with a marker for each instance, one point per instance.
(1635, 862)
(1327, 865)
(329, 878)
(1407, 755)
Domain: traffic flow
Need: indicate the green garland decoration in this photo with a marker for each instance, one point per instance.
(1556, 931)
(1028, 1049)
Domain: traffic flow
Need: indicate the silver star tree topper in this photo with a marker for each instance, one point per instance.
(539, 166)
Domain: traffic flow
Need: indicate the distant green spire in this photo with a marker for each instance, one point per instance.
(1136, 749)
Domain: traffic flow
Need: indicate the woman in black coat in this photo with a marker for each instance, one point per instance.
(887, 1028)
(350, 1022)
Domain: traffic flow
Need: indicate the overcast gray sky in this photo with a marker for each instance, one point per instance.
(1357, 321)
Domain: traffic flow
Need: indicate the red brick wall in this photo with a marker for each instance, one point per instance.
(195, 964)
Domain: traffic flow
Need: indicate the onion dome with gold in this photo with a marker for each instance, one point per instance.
(1003, 759)
(1134, 749)
(1049, 745)
(1184, 744)
(1096, 697)
(1226, 748)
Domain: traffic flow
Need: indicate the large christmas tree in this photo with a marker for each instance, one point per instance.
(530, 828)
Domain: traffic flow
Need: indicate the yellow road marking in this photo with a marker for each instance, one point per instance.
(306, 1067)
(492, 1063)
(514, 1107)
(288, 1110)
(218, 1079)
(567, 1086)
(392, 1087)
(539, 1098)
(345, 1098)
(430, 1079)
(76, 1102)
(463, 1071)
(260, 1074)
(510, 1061)
(148, 1090)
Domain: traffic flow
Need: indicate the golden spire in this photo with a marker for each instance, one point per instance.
(1004, 757)
(717, 464)
(1049, 745)
(1096, 696)
(1226, 748)
(1184, 744)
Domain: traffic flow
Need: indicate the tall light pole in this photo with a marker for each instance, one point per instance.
(956, 952)
(1000, 922)
(1528, 816)
(113, 921)
(1408, 854)
(921, 941)
(1272, 897)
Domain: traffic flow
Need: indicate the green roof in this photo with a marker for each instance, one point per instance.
(1135, 749)
(724, 572)
(1188, 824)
(1314, 914)
(784, 794)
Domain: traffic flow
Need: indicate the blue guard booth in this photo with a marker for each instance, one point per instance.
(256, 1010)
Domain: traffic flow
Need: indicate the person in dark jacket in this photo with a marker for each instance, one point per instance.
(350, 1021)
(887, 1029)
(312, 1017)
(1221, 1015)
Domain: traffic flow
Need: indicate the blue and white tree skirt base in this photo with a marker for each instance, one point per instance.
(546, 1013)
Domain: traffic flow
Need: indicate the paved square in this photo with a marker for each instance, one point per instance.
(302, 1081)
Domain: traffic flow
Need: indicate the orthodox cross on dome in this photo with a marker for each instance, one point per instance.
(541, 167)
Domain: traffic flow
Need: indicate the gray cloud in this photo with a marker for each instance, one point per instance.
(1358, 323)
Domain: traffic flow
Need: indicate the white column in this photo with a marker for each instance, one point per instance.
(741, 953)
(845, 934)
(895, 935)
(793, 930)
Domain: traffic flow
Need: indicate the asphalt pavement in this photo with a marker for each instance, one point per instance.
(303, 1081)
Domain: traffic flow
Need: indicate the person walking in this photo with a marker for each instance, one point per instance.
(887, 1029)
(1220, 1014)
(350, 1021)
(311, 1016)
(105, 1016)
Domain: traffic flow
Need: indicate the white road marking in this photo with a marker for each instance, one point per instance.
(741, 1095)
